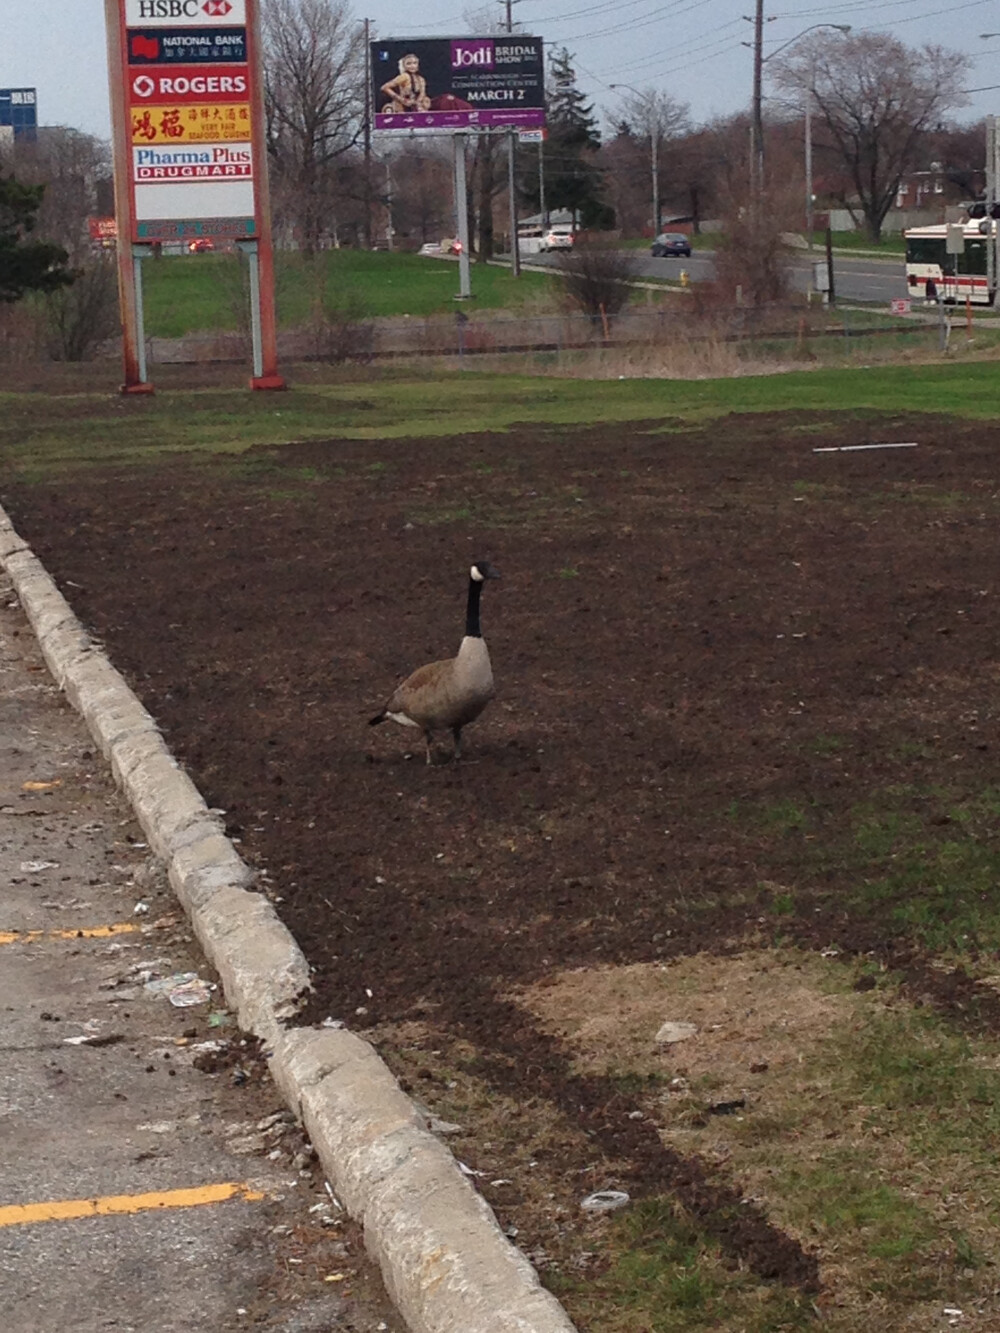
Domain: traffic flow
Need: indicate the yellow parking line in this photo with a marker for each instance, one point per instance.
(63, 1210)
(84, 933)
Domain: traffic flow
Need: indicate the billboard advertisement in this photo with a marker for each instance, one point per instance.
(19, 111)
(439, 84)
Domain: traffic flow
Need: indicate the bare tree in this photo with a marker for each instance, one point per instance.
(877, 98)
(75, 169)
(650, 123)
(422, 206)
(314, 63)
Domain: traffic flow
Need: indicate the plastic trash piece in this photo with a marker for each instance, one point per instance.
(604, 1201)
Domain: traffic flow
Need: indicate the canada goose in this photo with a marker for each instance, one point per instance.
(450, 693)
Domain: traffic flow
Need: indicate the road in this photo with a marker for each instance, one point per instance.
(856, 277)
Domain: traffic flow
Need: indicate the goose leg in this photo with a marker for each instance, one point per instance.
(427, 742)
(457, 733)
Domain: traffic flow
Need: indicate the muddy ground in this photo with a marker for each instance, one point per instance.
(697, 632)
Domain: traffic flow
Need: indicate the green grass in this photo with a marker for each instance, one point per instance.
(891, 246)
(187, 293)
(41, 431)
(666, 1275)
(922, 862)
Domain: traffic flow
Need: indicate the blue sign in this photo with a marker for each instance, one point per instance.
(19, 110)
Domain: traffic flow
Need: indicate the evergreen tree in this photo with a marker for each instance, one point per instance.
(26, 265)
(572, 178)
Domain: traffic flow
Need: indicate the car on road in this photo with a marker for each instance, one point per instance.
(439, 248)
(535, 240)
(558, 238)
(670, 244)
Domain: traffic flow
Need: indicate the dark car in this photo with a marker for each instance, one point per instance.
(670, 243)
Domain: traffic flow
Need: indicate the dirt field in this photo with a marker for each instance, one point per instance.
(743, 689)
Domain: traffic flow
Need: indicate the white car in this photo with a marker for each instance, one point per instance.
(438, 249)
(558, 238)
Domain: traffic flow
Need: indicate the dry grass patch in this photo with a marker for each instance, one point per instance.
(863, 1127)
(516, 1150)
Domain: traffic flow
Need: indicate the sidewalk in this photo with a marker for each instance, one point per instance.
(150, 1177)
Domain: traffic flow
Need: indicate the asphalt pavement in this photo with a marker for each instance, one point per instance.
(151, 1177)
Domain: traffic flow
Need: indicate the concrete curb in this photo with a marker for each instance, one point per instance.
(446, 1263)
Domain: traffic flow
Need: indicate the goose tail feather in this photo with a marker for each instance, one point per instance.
(379, 717)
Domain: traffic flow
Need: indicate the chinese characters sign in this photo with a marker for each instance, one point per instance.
(18, 112)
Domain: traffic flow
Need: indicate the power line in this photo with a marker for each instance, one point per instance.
(866, 7)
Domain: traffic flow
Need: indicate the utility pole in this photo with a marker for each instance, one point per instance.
(654, 143)
(992, 192)
(809, 167)
(757, 122)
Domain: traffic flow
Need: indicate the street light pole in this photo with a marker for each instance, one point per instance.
(757, 123)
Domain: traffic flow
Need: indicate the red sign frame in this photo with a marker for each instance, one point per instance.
(206, 170)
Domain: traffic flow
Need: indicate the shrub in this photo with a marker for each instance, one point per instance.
(596, 279)
(78, 320)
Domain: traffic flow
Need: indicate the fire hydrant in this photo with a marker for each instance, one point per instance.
(685, 280)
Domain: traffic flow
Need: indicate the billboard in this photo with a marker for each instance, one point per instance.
(189, 119)
(19, 111)
(439, 84)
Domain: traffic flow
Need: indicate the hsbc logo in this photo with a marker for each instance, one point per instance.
(168, 9)
(164, 13)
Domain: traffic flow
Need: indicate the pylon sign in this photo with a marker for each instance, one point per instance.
(185, 85)
(187, 117)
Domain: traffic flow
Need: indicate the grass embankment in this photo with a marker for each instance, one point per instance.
(190, 293)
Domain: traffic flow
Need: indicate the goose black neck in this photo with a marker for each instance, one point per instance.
(472, 627)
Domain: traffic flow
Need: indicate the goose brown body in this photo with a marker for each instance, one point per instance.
(448, 695)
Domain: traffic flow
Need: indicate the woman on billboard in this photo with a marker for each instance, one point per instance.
(408, 90)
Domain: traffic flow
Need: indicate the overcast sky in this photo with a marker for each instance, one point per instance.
(691, 49)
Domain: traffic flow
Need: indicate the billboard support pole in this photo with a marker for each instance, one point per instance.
(515, 248)
(462, 211)
(129, 275)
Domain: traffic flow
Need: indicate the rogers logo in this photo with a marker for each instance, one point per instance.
(144, 86)
(217, 8)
